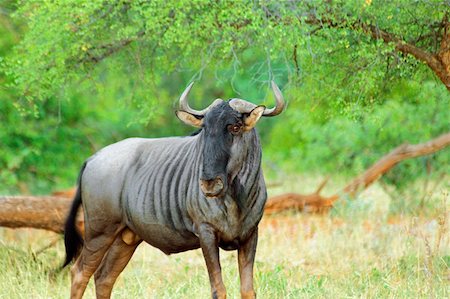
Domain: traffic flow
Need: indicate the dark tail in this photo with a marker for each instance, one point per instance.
(72, 239)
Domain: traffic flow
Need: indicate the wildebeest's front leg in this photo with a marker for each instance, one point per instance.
(246, 259)
(210, 249)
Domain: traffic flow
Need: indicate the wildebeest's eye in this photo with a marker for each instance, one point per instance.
(234, 129)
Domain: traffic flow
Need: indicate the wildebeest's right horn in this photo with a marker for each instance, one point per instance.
(185, 106)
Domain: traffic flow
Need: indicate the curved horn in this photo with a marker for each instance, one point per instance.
(185, 106)
(243, 106)
(279, 106)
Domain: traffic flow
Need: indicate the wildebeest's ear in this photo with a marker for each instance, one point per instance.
(251, 120)
(189, 119)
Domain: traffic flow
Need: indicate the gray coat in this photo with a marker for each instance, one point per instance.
(151, 185)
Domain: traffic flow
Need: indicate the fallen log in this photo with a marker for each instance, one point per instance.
(317, 203)
(43, 212)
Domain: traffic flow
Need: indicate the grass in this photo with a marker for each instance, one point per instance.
(358, 251)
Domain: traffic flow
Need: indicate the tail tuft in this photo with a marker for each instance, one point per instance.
(72, 238)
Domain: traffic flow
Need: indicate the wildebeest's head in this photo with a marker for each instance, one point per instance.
(227, 130)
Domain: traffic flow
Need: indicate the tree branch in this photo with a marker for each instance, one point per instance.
(406, 48)
(437, 65)
(109, 49)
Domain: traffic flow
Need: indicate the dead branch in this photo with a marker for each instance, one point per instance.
(318, 203)
(403, 152)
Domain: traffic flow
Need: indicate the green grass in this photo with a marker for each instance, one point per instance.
(357, 251)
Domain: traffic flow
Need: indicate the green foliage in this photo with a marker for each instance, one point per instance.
(48, 150)
(156, 39)
(409, 113)
(77, 75)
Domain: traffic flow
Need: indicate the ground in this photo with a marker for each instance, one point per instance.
(360, 250)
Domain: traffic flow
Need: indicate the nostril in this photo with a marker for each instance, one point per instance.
(218, 183)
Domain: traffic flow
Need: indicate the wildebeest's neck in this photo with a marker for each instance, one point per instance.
(243, 169)
(248, 186)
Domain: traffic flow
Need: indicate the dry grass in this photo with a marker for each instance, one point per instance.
(356, 252)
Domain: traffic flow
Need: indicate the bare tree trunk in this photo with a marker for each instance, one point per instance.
(317, 203)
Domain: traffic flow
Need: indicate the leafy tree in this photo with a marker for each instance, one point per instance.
(374, 41)
(79, 65)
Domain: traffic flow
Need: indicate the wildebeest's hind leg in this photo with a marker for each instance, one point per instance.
(94, 248)
(114, 262)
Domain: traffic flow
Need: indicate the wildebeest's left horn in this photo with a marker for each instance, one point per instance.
(185, 106)
(243, 106)
(279, 106)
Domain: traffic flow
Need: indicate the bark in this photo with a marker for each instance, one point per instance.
(444, 54)
(317, 203)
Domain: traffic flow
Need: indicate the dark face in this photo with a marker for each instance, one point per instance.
(223, 150)
(226, 134)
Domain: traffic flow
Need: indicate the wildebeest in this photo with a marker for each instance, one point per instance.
(177, 193)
